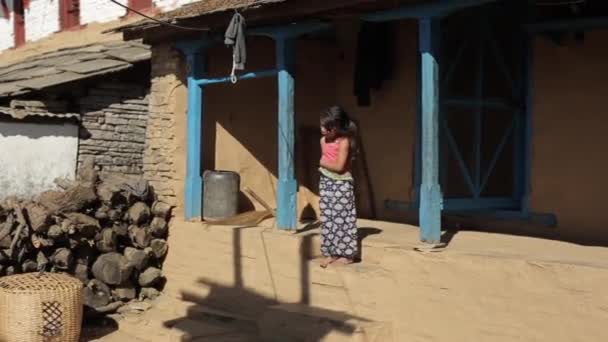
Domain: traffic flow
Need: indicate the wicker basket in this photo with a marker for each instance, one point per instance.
(40, 308)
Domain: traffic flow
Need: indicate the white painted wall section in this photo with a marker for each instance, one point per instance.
(7, 33)
(41, 19)
(168, 5)
(32, 155)
(101, 11)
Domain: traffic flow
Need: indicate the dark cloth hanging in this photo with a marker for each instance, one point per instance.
(374, 60)
(235, 37)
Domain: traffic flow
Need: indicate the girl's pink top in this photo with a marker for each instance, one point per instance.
(330, 150)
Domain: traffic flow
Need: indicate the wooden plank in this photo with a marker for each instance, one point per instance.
(525, 172)
(430, 192)
(245, 76)
(437, 8)
(287, 184)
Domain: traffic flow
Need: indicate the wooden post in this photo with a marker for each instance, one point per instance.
(194, 180)
(288, 186)
(430, 191)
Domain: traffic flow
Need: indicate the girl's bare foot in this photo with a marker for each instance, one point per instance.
(344, 261)
(328, 261)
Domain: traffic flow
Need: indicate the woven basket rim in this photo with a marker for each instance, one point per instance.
(28, 283)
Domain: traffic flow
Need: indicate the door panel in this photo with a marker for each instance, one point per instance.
(481, 105)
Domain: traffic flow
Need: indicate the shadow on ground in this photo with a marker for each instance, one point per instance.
(237, 313)
(98, 327)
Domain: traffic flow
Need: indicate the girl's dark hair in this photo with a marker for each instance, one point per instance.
(336, 118)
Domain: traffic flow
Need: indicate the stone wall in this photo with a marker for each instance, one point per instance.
(114, 119)
(166, 125)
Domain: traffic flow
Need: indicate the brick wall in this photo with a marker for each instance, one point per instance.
(114, 119)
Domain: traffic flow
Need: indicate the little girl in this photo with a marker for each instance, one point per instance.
(337, 202)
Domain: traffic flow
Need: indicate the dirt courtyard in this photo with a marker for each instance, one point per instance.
(257, 284)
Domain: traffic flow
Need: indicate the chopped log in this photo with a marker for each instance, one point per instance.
(114, 215)
(126, 291)
(4, 257)
(106, 240)
(74, 199)
(161, 209)
(7, 227)
(18, 210)
(101, 213)
(150, 276)
(85, 254)
(41, 260)
(87, 172)
(83, 224)
(63, 183)
(140, 237)
(38, 217)
(139, 213)
(81, 271)
(110, 308)
(148, 293)
(63, 258)
(159, 248)
(95, 297)
(6, 242)
(112, 268)
(109, 194)
(29, 266)
(121, 229)
(55, 232)
(40, 242)
(137, 257)
(158, 227)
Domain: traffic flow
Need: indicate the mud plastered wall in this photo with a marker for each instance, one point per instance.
(240, 121)
(41, 19)
(7, 32)
(569, 136)
(100, 11)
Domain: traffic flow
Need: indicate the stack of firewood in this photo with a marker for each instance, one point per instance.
(111, 234)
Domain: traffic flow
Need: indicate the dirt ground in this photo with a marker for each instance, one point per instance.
(240, 284)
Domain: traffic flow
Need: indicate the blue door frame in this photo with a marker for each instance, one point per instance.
(516, 132)
(195, 52)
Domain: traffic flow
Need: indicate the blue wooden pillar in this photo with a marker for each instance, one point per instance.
(194, 52)
(430, 191)
(287, 197)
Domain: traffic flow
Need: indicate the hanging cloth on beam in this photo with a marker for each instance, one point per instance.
(235, 37)
(374, 60)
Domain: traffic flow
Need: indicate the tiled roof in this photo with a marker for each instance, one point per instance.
(196, 9)
(69, 65)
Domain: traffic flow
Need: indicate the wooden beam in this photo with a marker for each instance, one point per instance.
(287, 187)
(430, 191)
(579, 24)
(193, 202)
(438, 8)
(245, 76)
(289, 30)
